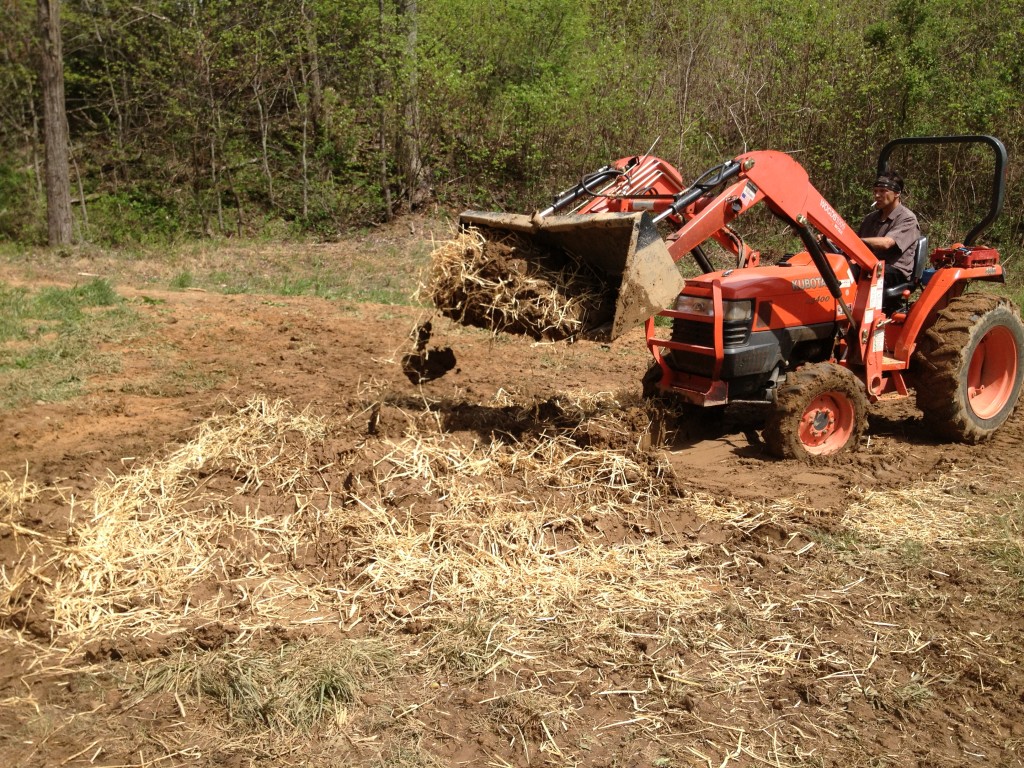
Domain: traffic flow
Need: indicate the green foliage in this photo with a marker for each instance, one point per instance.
(132, 217)
(20, 218)
(520, 98)
(234, 119)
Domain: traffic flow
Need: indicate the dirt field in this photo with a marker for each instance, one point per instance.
(259, 543)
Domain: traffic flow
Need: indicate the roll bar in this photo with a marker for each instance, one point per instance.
(998, 179)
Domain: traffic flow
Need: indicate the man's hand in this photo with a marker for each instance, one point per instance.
(827, 245)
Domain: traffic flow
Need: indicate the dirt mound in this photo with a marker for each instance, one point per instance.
(510, 284)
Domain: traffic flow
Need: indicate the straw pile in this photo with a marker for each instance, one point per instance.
(218, 528)
(188, 537)
(518, 531)
(245, 521)
(937, 513)
(506, 283)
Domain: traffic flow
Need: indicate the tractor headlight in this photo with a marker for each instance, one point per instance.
(732, 311)
(697, 305)
(737, 311)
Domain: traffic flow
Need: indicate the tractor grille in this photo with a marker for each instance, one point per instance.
(703, 334)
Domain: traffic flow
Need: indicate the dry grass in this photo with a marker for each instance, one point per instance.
(294, 688)
(14, 495)
(25, 576)
(533, 573)
(939, 512)
(505, 284)
(149, 537)
(519, 529)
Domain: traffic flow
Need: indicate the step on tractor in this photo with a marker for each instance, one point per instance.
(812, 338)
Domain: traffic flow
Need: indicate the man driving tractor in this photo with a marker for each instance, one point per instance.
(891, 230)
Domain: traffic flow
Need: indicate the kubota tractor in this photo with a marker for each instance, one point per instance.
(814, 337)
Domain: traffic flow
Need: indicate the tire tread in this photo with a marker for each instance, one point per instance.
(781, 433)
(942, 355)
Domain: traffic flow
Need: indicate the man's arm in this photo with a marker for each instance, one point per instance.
(905, 230)
(878, 244)
(901, 235)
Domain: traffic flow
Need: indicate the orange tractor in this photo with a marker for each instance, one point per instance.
(813, 337)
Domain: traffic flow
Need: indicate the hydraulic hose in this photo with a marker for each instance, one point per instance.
(699, 188)
(599, 176)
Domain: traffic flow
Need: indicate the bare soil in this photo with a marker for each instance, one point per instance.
(823, 631)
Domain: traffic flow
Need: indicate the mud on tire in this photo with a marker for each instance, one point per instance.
(968, 367)
(649, 388)
(820, 411)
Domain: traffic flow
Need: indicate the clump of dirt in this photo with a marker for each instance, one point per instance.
(426, 364)
(511, 284)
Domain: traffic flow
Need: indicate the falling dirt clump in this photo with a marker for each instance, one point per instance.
(425, 364)
(508, 283)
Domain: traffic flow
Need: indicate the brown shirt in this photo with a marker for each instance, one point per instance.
(901, 225)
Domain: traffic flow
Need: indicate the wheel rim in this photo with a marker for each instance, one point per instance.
(992, 373)
(827, 423)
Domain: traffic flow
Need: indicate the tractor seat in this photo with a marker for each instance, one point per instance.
(894, 293)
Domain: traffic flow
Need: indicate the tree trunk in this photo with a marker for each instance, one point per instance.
(315, 88)
(409, 155)
(58, 176)
(378, 92)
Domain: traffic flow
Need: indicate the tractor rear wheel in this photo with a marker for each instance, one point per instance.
(819, 411)
(969, 365)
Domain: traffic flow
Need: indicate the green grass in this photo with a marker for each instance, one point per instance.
(1004, 548)
(1013, 287)
(290, 690)
(361, 285)
(176, 380)
(381, 266)
(50, 339)
(383, 277)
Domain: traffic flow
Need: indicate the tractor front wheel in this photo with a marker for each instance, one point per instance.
(969, 365)
(819, 411)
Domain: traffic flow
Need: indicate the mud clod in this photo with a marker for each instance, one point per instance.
(424, 365)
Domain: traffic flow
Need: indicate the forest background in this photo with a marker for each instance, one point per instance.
(197, 118)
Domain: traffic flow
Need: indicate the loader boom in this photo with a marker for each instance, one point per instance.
(780, 182)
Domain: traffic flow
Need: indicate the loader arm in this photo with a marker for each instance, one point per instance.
(783, 184)
(609, 223)
(777, 180)
(651, 184)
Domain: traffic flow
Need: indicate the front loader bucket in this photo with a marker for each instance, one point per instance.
(623, 250)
